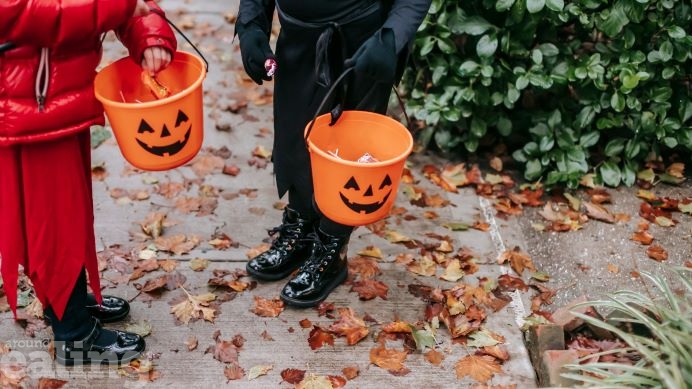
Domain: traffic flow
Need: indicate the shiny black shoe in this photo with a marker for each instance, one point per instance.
(101, 346)
(112, 308)
(320, 274)
(288, 250)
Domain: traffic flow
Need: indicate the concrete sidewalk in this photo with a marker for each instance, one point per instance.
(210, 203)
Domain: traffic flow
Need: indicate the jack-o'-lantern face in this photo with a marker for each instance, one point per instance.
(365, 199)
(160, 143)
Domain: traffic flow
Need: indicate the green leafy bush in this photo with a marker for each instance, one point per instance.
(574, 86)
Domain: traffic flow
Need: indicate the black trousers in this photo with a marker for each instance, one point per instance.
(76, 323)
(297, 96)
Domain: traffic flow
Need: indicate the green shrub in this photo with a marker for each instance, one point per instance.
(575, 86)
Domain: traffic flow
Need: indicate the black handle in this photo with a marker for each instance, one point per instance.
(338, 110)
(336, 113)
(160, 13)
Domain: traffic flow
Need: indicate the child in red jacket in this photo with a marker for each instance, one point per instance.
(49, 51)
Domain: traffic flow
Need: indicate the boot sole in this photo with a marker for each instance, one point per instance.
(341, 277)
(88, 361)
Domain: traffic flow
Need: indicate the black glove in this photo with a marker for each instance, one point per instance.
(376, 58)
(255, 50)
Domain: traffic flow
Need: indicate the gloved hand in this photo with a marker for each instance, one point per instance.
(376, 58)
(255, 50)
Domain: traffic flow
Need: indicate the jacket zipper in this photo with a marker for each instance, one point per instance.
(42, 79)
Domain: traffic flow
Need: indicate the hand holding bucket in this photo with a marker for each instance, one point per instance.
(155, 134)
(350, 192)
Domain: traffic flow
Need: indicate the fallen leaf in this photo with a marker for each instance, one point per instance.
(199, 264)
(350, 326)
(50, 383)
(350, 372)
(268, 308)
(371, 251)
(191, 342)
(141, 328)
(598, 212)
(481, 368)
(315, 382)
(368, 289)
(388, 359)
(453, 272)
(318, 337)
(517, 260)
(196, 307)
(434, 357)
(233, 371)
(657, 252)
(293, 376)
(258, 370)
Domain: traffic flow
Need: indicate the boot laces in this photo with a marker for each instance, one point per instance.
(289, 233)
(322, 254)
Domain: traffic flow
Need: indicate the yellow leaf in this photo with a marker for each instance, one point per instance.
(453, 271)
(481, 368)
(258, 370)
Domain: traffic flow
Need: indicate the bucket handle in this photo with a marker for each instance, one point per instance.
(338, 110)
(160, 13)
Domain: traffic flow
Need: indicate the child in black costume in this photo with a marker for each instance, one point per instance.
(317, 42)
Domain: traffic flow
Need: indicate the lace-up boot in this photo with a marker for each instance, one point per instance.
(324, 270)
(288, 251)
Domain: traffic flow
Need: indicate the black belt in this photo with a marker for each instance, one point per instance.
(325, 41)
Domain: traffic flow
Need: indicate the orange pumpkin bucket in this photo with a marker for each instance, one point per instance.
(350, 192)
(155, 134)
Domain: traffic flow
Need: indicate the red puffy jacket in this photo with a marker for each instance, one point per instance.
(46, 80)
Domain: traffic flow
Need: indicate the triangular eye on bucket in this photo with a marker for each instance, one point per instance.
(182, 118)
(352, 184)
(144, 127)
(386, 182)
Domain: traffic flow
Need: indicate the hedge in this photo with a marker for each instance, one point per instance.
(578, 87)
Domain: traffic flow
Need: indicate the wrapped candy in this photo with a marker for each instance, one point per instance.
(159, 91)
(270, 67)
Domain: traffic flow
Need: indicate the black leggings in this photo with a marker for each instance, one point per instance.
(76, 323)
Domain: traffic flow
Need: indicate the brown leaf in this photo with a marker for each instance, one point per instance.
(50, 383)
(268, 308)
(191, 342)
(388, 359)
(657, 252)
(598, 212)
(369, 289)
(305, 323)
(350, 326)
(293, 376)
(350, 372)
(363, 267)
(643, 237)
(481, 368)
(517, 260)
(318, 337)
(233, 371)
(194, 307)
(434, 357)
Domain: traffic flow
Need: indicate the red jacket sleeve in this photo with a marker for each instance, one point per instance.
(147, 31)
(47, 23)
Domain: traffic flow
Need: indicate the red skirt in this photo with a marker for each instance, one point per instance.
(47, 219)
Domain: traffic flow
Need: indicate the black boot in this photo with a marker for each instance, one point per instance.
(288, 251)
(320, 274)
(100, 346)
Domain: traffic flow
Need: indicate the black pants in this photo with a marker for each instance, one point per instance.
(297, 95)
(76, 323)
